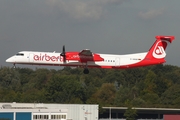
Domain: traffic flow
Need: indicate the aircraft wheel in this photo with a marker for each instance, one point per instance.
(86, 71)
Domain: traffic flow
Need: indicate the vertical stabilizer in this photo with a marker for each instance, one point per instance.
(157, 51)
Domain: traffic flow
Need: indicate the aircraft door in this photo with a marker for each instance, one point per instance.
(117, 62)
(31, 59)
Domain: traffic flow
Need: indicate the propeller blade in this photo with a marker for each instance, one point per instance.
(63, 53)
(64, 49)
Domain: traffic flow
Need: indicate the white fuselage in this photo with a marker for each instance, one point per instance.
(55, 59)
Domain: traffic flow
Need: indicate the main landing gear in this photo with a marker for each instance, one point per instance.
(86, 71)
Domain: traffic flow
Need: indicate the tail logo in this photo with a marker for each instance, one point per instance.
(159, 51)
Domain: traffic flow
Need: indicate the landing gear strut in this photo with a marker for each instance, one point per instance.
(14, 65)
(86, 70)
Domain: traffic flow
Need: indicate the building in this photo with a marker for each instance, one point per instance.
(40, 111)
(117, 113)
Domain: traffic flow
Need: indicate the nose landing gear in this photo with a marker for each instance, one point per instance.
(14, 65)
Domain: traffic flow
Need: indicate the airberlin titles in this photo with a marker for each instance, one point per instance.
(46, 57)
(59, 58)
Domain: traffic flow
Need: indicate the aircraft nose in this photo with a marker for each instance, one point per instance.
(10, 60)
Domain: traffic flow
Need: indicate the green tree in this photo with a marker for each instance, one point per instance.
(171, 96)
(25, 75)
(105, 95)
(130, 112)
(64, 89)
(9, 78)
(122, 95)
(149, 82)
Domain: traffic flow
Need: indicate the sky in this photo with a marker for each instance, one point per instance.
(103, 26)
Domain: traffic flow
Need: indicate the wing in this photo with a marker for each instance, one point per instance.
(86, 52)
(87, 55)
(83, 56)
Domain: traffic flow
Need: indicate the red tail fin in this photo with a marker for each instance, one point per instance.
(157, 51)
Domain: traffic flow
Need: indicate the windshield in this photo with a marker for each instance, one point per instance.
(19, 54)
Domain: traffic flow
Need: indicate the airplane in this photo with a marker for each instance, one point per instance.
(86, 59)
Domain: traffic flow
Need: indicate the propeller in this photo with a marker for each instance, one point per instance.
(63, 54)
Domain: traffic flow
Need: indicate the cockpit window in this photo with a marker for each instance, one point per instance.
(19, 54)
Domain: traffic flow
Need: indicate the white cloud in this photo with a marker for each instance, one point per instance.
(151, 13)
(110, 2)
(83, 9)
